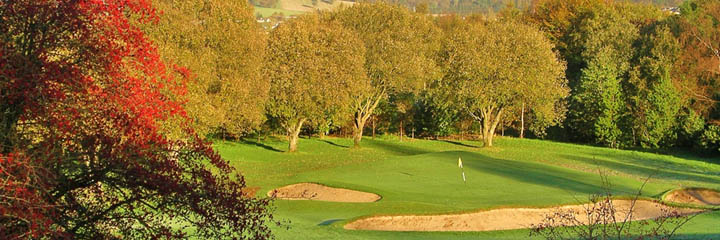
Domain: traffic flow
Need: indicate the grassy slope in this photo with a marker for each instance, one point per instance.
(298, 7)
(422, 177)
(266, 12)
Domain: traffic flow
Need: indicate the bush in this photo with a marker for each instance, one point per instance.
(710, 140)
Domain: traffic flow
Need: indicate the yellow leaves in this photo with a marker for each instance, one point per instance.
(220, 42)
(503, 64)
(313, 66)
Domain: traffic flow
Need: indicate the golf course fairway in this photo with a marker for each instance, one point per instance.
(422, 177)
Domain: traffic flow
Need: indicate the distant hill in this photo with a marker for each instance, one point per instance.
(295, 7)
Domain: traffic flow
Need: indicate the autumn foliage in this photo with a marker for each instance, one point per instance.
(82, 96)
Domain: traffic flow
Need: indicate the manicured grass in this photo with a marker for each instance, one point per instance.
(422, 177)
(266, 12)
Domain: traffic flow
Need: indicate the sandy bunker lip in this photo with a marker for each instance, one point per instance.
(312, 191)
(502, 219)
(696, 196)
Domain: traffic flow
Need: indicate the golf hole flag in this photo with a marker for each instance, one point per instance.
(461, 167)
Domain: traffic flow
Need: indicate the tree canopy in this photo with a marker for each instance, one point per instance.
(83, 93)
(222, 45)
(497, 66)
(399, 57)
(315, 68)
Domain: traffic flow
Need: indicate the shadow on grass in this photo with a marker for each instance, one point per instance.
(261, 145)
(685, 153)
(659, 171)
(329, 221)
(536, 173)
(395, 148)
(460, 144)
(697, 236)
(332, 143)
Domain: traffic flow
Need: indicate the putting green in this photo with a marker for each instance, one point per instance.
(422, 177)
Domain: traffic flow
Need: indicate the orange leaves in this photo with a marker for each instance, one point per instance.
(86, 98)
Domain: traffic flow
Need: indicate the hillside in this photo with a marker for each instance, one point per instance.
(295, 7)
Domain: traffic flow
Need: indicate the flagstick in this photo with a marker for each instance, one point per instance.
(463, 170)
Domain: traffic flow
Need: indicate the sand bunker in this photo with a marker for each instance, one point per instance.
(502, 219)
(312, 191)
(694, 196)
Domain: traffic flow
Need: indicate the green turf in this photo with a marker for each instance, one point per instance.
(422, 177)
(266, 12)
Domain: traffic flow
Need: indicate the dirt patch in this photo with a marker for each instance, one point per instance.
(312, 191)
(249, 191)
(694, 196)
(502, 219)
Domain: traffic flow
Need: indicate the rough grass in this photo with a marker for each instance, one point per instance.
(422, 177)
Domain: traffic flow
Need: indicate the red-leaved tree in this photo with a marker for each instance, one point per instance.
(82, 95)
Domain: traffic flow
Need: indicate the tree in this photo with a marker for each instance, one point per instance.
(697, 72)
(82, 96)
(654, 101)
(558, 19)
(399, 56)
(498, 66)
(220, 42)
(600, 97)
(434, 115)
(598, 103)
(313, 66)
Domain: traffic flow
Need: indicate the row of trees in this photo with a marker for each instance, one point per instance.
(494, 6)
(639, 76)
(327, 66)
(615, 74)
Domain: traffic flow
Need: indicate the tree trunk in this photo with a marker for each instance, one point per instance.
(522, 122)
(490, 121)
(362, 114)
(357, 137)
(373, 126)
(401, 130)
(293, 135)
(358, 131)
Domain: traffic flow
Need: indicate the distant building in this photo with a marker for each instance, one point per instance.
(673, 10)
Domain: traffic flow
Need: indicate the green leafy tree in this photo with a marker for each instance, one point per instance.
(399, 57)
(313, 66)
(710, 140)
(653, 100)
(434, 116)
(220, 42)
(598, 103)
(599, 94)
(498, 66)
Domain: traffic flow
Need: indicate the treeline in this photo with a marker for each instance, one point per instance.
(621, 75)
(639, 77)
(471, 6)
(495, 6)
